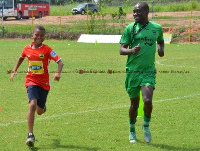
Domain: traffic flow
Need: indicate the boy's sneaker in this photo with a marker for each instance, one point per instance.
(30, 140)
(147, 134)
(132, 137)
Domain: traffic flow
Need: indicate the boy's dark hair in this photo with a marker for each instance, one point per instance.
(39, 28)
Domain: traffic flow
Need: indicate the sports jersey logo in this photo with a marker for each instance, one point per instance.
(36, 67)
(41, 56)
(147, 41)
(53, 53)
(154, 32)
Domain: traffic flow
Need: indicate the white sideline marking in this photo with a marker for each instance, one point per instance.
(97, 110)
(161, 60)
(177, 98)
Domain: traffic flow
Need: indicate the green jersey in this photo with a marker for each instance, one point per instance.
(147, 37)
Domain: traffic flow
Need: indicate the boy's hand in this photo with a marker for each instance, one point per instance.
(12, 75)
(56, 76)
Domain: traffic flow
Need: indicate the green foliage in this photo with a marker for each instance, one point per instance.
(174, 7)
(165, 17)
(121, 12)
(92, 22)
(119, 15)
(181, 29)
(127, 6)
(175, 35)
(97, 23)
(168, 25)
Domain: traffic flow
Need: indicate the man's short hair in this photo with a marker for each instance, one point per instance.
(144, 5)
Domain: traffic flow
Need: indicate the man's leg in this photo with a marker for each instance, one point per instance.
(30, 118)
(147, 94)
(133, 115)
(133, 108)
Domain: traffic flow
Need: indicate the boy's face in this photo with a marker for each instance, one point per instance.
(38, 37)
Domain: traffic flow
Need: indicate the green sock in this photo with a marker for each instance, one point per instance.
(132, 126)
(146, 121)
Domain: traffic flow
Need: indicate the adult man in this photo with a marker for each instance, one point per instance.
(141, 36)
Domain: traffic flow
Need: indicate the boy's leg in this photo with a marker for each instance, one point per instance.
(41, 104)
(30, 118)
(33, 96)
(31, 114)
(40, 110)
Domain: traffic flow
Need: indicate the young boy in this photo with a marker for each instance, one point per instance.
(37, 79)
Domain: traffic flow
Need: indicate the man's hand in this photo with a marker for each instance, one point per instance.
(136, 49)
(160, 53)
(56, 76)
(13, 73)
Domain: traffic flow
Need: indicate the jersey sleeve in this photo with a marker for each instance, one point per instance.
(160, 35)
(23, 54)
(126, 36)
(54, 56)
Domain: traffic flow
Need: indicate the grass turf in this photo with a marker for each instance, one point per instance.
(89, 111)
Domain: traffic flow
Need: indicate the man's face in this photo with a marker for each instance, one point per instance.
(38, 37)
(140, 14)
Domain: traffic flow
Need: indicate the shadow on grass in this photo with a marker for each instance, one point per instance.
(56, 145)
(168, 147)
(33, 148)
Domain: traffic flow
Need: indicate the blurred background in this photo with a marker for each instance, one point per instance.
(68, 19)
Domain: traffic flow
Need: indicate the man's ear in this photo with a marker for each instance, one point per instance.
(32, 35)
(147, 11)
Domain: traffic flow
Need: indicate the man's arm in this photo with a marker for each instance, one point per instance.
(56, 76)
(124, 51)
(160, 48)
(14, 72)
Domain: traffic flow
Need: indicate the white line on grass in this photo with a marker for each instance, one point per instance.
(162, 64)
(96, 110)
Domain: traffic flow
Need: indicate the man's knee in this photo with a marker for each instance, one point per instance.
(134, 103)
(147, 101)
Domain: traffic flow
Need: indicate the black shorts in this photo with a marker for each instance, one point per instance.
(38, 93)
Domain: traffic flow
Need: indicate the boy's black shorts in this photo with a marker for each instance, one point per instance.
(36, 92)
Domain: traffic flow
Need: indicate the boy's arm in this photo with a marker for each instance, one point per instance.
(14, 72)
(56, 76)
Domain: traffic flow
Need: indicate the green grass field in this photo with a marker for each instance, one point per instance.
(89, 112)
